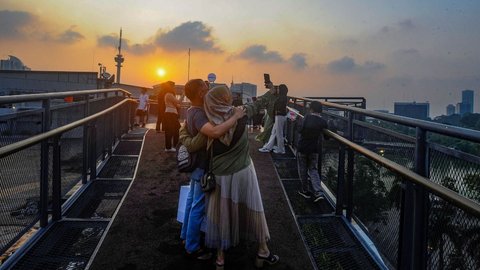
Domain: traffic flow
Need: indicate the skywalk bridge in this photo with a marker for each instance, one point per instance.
(80, 188)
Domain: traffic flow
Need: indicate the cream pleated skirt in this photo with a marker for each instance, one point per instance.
(234, 211)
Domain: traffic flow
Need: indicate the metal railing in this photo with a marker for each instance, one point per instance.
(47, 150)
(414, 196)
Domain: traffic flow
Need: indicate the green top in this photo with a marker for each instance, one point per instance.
(235, 159)
(265, 101)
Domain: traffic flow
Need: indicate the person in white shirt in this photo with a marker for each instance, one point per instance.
(142, 108)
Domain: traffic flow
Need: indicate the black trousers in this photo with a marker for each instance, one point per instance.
(171, 123)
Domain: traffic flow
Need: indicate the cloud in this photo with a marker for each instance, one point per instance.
(343, 65)
(259, 53)
(406, 25)
(298, 61)
(348, 65)
(344, 43)
(69, 36)
(15, 24)
(194, 35)
(137, 48)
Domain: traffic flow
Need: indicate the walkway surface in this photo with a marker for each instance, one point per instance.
(145, 232)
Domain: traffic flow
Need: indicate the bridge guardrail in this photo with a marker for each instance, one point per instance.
(416, 198)
(48, 150)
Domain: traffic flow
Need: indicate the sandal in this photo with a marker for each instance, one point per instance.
(219, 266)
(200, 254)
(270, 259)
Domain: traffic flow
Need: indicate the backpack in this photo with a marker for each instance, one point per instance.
(186, 161)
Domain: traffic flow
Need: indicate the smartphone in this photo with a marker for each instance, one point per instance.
(266, 78)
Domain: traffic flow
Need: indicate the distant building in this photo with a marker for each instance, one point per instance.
(245, 90)
(412, 109)
(450, 109)
(12, 63)
(14, 82)
(133, 89)
(466, 106)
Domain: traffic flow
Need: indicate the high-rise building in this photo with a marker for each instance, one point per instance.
(450, 109)
(412, 109)
(467, 101)
(245, 90)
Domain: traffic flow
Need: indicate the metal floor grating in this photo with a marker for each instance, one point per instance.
(288, 154)
(100, 200)
(119, 167)
(128, 148)
(286, 168)
(302, 206)
(66, 245)
(333, 245)
(133, 136)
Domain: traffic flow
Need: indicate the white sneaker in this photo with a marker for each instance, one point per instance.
(264, 150)
(278, 152)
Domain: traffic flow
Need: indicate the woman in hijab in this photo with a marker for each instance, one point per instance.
(234, 209)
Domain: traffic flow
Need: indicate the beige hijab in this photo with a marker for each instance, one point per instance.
(218, 108)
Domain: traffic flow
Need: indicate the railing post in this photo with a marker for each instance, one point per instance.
(350, 166)
(413, 241)
(340, 181)
(86, 111)
(56, 181)
(44, 165)
(92, 151)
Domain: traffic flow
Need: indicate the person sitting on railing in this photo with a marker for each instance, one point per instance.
(310, 130)
(141, 111)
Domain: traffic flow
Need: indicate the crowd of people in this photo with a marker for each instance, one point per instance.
(216, 132)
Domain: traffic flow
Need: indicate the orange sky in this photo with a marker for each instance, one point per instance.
(384, 51)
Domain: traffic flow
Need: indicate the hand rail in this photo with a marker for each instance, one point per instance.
(15, 147)
(42, 96)
(439, 190)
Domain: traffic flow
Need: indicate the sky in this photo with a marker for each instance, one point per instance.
(383, 50)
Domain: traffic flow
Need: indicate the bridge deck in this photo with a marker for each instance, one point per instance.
(145, 233)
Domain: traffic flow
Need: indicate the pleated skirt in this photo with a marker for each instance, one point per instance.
(234, 211)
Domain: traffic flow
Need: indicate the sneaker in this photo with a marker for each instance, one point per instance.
(305, 194)
(264, 150)
(317, 198)
(278, 152)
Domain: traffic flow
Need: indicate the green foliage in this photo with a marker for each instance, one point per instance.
(369, 193)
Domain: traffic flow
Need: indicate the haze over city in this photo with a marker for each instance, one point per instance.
(385, 51)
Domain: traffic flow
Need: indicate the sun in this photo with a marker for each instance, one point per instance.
(161, 72)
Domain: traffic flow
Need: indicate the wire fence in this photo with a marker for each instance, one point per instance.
(377, 198)
(22, 203)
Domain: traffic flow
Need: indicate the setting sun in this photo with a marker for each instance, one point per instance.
(161, 72)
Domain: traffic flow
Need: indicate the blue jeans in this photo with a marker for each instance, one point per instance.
(308, 166)
(194, 212)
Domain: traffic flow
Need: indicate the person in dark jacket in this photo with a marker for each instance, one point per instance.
(276, 140)
(310, 132)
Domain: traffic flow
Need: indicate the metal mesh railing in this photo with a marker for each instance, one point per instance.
(378, 196)
(66, 158)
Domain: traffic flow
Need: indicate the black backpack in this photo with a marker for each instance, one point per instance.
(186, 161)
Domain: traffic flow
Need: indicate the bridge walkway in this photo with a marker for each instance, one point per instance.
(145, 233)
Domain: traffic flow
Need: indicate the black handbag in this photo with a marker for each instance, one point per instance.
(208, 181)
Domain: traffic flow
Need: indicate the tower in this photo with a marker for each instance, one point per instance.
(119, 58)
